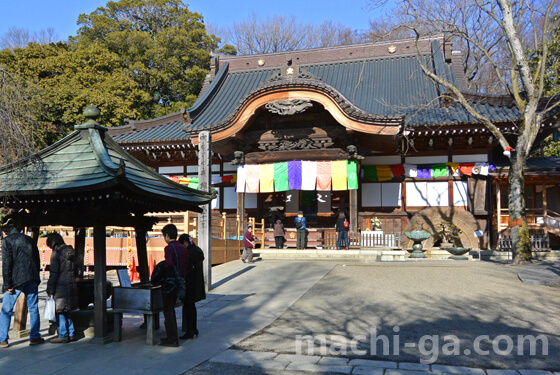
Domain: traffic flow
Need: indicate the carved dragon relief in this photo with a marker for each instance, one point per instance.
(288, 107)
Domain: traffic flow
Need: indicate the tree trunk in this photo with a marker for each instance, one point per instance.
(517, 214)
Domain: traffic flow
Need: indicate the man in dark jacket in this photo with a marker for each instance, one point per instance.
(176, 255)
(301, 230)
(20, 267)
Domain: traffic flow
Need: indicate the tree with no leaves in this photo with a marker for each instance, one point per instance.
(505, 47)
(278, 33)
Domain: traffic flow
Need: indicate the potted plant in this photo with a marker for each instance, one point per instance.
(449, 234)
(375, 223)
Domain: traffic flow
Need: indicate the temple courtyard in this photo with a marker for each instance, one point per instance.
(276, 317)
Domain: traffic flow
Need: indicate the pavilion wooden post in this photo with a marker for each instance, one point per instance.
(205, 218)
(142, 252)
(100, 287)
(79, 246)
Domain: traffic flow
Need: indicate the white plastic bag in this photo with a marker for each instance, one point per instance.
(50, 310)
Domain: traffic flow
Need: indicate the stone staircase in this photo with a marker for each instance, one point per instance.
(352, 255)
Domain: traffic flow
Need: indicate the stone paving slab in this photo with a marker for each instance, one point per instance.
(413, 366)
(406, 372)
(457, 370)
(370, 363)
(535, 372)
(313, 367)
(544, 273)
(295, 358)
(367, 370)
(502, 372)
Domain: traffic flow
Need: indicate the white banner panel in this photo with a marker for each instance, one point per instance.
(382, 160)
(391, 194)
(438, 194)
(371, 195)
(460, 193)
(172, 170)
(230, 198)
(251, 200)
(416, 194)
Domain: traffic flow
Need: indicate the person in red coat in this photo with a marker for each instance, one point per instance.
(249, 242)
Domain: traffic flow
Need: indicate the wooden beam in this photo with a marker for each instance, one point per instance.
(100, 287)
(279, 156)
(142, 251)
(79, 246)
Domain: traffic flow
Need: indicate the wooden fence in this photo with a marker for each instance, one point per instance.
(539, 242)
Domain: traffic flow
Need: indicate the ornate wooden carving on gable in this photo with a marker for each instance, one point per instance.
(288, 107)
(295, 139)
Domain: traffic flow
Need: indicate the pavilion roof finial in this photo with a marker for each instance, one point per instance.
(92, 113)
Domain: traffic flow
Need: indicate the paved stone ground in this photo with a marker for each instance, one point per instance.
(407, 301)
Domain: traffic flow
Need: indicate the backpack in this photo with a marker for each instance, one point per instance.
(346, 224)
(299, 222)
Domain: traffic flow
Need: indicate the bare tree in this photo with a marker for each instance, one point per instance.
(503, 35)
(17, 37)
(17, 122)
(256, 35)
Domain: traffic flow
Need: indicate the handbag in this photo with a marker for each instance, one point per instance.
(174, 283)
(49, 312)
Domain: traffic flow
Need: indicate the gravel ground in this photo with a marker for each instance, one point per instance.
(432, 311)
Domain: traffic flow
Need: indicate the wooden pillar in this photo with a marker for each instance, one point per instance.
(205, 218)
(79, 246)
(142, 252)
(100, 287)
(544, 204)
(499, 206)
(241, 208)
(353, 210)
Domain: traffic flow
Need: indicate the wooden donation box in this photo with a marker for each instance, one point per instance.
(140, 299)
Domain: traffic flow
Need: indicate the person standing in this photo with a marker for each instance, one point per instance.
(249, 242)
(195, 287)
(176, 255)
(279, 233)
(301, 227)
(20, 269)
(62, 286)
(342, 226)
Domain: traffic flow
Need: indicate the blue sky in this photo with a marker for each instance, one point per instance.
(35, 15)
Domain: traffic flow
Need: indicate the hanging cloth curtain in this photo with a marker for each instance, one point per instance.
(339, 174)
(294, 175)
(241, 175)
(323, 175)
(308, 175)
(397, 170)
(266, 178)
(281, 177)
(439, 170)
(193, 182)
(252, 178)
(370, 172)
(424, 171)
(352, 172)
(466, 168)
(384, 173)
(453, 166)
(411, 170)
